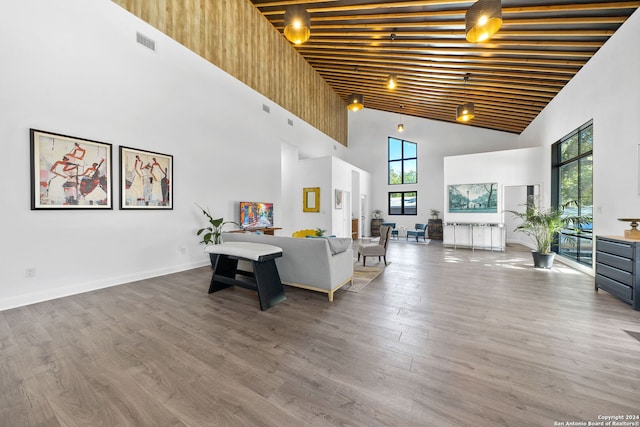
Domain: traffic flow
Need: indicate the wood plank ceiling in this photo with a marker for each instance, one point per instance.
(356, 44)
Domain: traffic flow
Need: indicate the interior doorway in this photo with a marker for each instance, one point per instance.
(517, 198)
(364, 208)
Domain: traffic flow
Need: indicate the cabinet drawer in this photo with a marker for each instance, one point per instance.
(616, 261)
(621, 291)
(621, 276)
(615, 248)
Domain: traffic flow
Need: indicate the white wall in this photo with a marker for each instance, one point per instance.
(343, 177)
(329, 174)
(368, 132)
(515, 199)
(74, 67)
(507, 168)
(606, 90)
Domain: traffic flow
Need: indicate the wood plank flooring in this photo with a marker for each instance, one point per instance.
(443, 337)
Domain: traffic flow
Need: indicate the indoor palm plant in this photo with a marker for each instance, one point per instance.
(544, 224)
(213, 233)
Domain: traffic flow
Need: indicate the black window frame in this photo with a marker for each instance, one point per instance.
(402, 198)
(402, 160)
(583, 238)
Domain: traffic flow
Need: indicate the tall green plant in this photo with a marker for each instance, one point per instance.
(543, 224)
(213, 233)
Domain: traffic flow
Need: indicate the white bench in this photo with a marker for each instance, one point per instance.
(266, 280)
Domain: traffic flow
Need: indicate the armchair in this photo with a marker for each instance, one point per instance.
(420, 230)
(376, 249)
(394, 232)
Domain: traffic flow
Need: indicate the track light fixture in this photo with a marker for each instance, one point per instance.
(482, 20)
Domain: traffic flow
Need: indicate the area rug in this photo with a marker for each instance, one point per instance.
(413, 240)
(362, 276)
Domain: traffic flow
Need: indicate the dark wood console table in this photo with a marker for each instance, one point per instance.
(265, 230)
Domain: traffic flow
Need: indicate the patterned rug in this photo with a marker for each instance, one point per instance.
(362, 276)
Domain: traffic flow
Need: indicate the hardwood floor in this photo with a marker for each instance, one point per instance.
(442, 338)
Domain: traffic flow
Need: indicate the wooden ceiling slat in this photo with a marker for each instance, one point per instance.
(501, 35)
(393, 63)
(409, 76)
(506, 11)
(458, 94)
(418, 3)
(539, 48)
(482, 51)
(538, 22)
(466, 59)
(432, 42)
(435, 82)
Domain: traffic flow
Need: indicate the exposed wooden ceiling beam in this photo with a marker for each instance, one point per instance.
(538, 49)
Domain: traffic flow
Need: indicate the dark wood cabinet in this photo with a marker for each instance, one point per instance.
(434, 229)
(618, 268)
(375, 226)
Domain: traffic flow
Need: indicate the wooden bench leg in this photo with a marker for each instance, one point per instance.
(223, 266)
(270, 289)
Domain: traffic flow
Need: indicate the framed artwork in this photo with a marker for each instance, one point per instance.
(69, 172)
(146, 179)
(338, 199)
(474, 198)
(311, 199)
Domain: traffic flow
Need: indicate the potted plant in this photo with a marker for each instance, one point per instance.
(213, 233)
(377, 213)
(543, 224)
(435, 214)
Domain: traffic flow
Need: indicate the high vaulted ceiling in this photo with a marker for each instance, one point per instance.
(356, 44)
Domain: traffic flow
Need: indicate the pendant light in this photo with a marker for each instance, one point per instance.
(297, 24)
(356, 102)
(466, 111)
(400, 126)
(392, 81)
(482, 20)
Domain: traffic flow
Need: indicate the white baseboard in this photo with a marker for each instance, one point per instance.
(65, 291)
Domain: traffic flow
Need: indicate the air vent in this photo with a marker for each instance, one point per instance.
(146, 41)
(290, 122)
(266, 108)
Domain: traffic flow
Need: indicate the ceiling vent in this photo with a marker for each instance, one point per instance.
(290, 122)
(146, 41)
(266, 108)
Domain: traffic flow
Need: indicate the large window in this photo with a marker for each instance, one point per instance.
(403, 162)
(403, 203)
(572, 180)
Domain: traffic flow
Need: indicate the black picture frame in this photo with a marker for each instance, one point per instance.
(146, 179)
(69, 173)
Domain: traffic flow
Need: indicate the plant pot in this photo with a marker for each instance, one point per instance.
(543, 260)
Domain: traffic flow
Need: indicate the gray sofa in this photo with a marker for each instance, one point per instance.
(307, 263)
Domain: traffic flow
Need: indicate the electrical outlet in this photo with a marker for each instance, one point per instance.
(30, 272)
